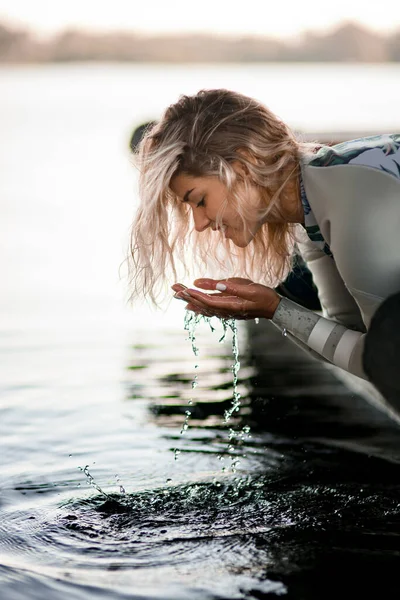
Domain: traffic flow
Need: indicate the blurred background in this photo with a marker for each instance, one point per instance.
(77, 78)
(84, 375)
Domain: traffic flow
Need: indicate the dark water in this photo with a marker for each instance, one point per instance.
(304, 505)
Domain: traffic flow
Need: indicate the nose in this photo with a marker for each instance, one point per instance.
(201, 221)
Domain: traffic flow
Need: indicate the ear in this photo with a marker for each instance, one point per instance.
(240, 169)
(241, 166)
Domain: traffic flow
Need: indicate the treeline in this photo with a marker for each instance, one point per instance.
(347, 43)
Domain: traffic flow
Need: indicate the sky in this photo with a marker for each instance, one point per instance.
(287, 19)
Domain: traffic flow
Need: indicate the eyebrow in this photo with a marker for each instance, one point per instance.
(186, 196)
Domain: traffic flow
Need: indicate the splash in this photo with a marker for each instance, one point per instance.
(91, 481)
(235, 437)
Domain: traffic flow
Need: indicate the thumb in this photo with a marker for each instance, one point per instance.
(239, 280)
(207, 283)
(236, 286)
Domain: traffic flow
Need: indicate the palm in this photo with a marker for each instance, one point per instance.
(243, 299)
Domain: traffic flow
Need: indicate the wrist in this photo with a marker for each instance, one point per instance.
(275, 305)
(271, 307)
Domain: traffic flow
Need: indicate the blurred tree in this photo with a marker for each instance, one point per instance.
(348, 42)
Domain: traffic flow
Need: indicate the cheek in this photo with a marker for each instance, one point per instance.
(231, 218)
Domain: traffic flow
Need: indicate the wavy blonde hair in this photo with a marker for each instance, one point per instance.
(204, 135)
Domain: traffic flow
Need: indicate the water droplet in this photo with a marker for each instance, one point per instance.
(234, 464)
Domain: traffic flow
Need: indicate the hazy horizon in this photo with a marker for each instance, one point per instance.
(45, 18)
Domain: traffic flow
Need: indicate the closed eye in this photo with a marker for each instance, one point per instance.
(201, 203)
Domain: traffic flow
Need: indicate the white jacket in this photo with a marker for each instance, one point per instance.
(351, 244)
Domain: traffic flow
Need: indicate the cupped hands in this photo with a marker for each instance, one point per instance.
(233, 298)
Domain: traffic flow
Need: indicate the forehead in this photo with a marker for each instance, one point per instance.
(182, 183)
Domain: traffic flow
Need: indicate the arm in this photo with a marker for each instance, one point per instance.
(338, 335)
(243, 299)
(325, 338)
(336, 301)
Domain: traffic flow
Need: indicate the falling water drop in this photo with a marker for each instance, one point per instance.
(121, 487)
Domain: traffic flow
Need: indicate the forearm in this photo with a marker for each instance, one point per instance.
(327, 338)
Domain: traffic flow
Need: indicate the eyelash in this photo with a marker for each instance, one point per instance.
(201, 203)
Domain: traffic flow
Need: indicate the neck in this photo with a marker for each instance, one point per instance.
(290, 208)
(292, 205)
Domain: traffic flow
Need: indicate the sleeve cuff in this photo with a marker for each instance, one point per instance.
(327, 338)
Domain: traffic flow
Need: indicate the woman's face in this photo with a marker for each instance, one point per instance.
(208, 198)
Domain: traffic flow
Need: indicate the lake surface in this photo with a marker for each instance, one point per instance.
(101, 495)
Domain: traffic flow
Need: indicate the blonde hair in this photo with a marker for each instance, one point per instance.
(204, 135)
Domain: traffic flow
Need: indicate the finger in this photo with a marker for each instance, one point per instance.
(209, 284)
(177, 287)
(207, 310)
(239, 280)
(205, 283)
(221, 305)
(199, 311)
(214, 300)
(196, 309)
(247, 290)
(194, 302)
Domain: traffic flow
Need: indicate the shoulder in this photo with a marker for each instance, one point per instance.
(353, 174)
(381, 152)
(357, 206)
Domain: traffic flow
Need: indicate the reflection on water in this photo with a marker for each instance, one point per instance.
(303, 515)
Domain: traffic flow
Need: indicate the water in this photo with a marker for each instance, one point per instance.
(101, 493)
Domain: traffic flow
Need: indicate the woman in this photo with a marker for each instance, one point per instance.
(220, 170)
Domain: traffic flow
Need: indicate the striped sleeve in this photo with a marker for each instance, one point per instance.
(328, 339)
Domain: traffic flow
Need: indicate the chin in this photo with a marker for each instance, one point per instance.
(241, 238)
(241, 241)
